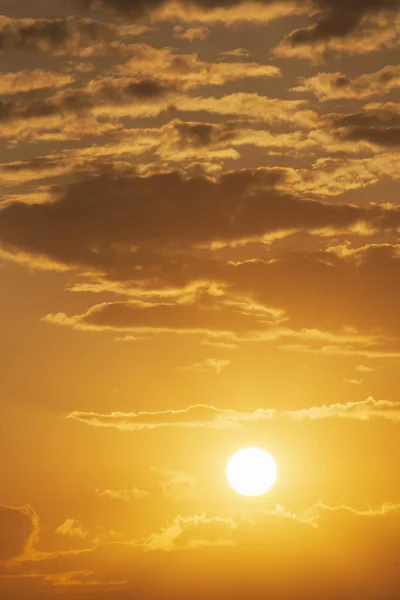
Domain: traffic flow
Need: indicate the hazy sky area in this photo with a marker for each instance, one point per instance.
(199, 253)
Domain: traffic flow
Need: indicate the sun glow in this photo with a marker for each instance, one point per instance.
(251, 472)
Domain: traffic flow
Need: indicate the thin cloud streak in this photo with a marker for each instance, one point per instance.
(208, 416)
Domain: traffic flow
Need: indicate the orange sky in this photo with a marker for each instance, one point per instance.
(199, 252)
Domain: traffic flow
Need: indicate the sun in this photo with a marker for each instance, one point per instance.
(251, 472)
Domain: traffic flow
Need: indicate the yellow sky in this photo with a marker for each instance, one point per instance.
(199, 253)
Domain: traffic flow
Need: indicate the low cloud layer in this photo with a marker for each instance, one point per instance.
(193, 543)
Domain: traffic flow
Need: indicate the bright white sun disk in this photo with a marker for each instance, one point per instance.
(251, 472)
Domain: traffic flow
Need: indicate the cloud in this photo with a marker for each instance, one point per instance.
(176, 485)
(363, 26)
(175, 143)
(133, 237)
(364, 369)
(198, 147)
(183, 530)
(342, 29)
(125, 494)
(322, 544)
(251, 106)
(58, 36)
(236, 52)
(250, 300)
(343, 351)
(215, 365)
(353, 294)
(192, 33)
(330, 86)
(219, 344)
(188, 71)
(353, 381)
(206, 416)
(203, 531)
(19, 529)
(207, 316)
(25, 81)
(79, 107)
(220, 11)
(377, 124)
(332, 539)
(72, 528)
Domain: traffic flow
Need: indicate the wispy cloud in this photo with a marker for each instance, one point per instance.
(124, 494)
(207, 416)
(72, 528)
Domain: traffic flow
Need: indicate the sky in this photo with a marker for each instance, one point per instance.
(199, 253)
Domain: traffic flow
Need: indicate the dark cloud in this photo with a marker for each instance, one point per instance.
(271, 300)
(18, 529)
(380, 125)
(327, 86)
(332, 18)
(121, 223)
(330, 289)
(202, 316)
(154, 232)
(204, 134)
(339, 18)
(78, 101)
(52, 35)
(54, 112)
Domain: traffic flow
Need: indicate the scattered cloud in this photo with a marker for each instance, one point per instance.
(175, 535)
(236, 53)
(192, 33)
(364, 369)
(72, 528)
(176, 485)
(216, 365)
(124, 494)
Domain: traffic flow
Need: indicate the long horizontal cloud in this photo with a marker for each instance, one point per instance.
(371, 34)
(334, 17)
(329, 86)
(210, 417)
(335, 23)
(256, 296)
(201, 530)
(25, 81)
(210, 145)
(188, 70)
(77, 101)
(57, 36)
(197, 210)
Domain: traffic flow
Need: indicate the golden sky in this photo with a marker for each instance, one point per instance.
(199, 253)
